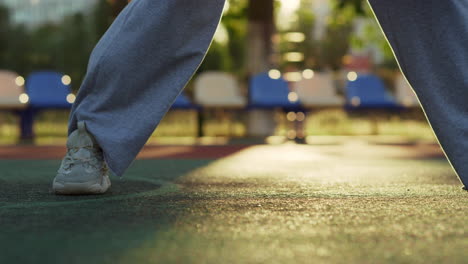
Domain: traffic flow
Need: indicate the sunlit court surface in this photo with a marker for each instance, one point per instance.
(353, 202)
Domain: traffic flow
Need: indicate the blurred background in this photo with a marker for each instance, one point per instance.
(310, 71)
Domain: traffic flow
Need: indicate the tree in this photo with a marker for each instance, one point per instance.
(373, 36)
(101, 19)
(261, 27)
(235, 22)
(326, 52)
(217, 59)
(76, 46)
(359, 6)
(305, 25)
(46, 53)
(338, 34)
(118, 6)
(18, 52)
(4, 33)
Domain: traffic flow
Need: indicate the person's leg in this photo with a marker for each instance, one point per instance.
(137, 70)
(429, 39)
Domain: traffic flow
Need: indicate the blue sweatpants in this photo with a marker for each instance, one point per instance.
(153, 48)
(138, 69)
(430, 41)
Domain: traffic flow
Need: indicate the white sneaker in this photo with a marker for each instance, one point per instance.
(83, 170)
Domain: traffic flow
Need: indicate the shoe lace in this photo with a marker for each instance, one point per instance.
(71, 158)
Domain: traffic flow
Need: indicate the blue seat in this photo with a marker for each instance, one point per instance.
(46, 90)
(269, 93)
(368, 92)
(183, 102)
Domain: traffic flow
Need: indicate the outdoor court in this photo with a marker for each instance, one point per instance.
(352, 202)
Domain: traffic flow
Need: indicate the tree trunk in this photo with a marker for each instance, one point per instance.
(259, 52)
(260, 31)
(118, 6)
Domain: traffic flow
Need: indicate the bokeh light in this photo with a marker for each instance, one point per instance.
(274, 74)
(23, 98)
(355, 101)
(19, 81)
(71, 98)
(352, 76)
(300, 116)
(291, 134)
(293, 76)
(291, 116)
(293, 97)
(294, 56)
(308, 74)
(294, 37)
(66, 80)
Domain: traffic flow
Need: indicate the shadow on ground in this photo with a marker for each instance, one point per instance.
(37, 192)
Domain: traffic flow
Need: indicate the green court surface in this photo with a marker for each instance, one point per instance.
(350, 203)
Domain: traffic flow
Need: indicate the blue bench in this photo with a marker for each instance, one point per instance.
(184, 103)
(46, 90)
(268, 93)
(368, 92)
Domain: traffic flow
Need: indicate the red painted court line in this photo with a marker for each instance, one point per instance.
(189, 152)
(148, 152)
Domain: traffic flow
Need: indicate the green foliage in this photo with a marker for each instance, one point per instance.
(326, 52)
(337, 40)
(101, 19)
(217, 59)
(230, 57)
(16, 55)
(66, 46)
(305, 24)
(235, 22)
(373, 35)
(77, 43)
(358, 6)
(63, 46)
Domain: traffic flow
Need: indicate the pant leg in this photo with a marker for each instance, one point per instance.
(430, 41)
(137, 70)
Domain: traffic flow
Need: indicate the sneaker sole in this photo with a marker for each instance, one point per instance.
(73, 188)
